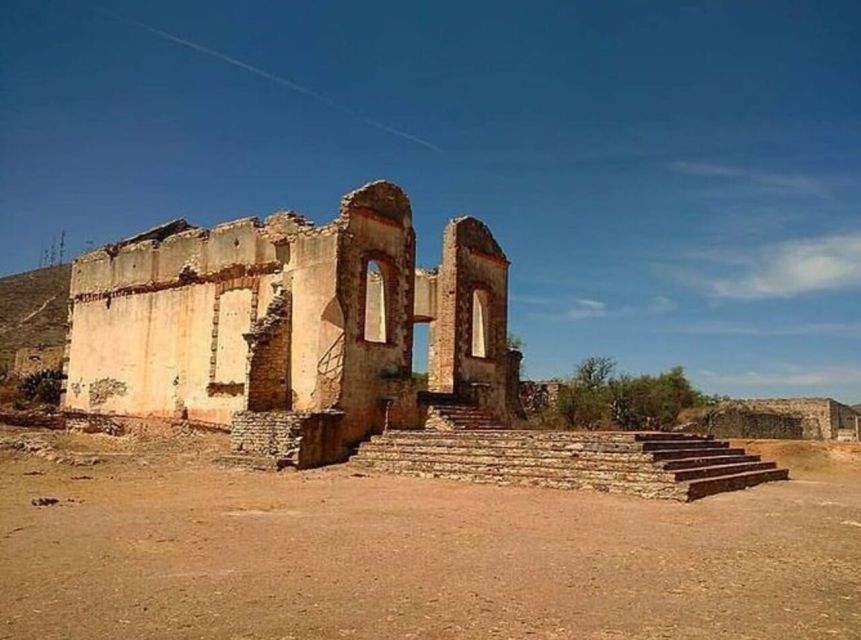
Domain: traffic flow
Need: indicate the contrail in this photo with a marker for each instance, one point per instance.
(278, 80)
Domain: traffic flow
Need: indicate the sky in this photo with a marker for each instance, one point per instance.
(674, 183)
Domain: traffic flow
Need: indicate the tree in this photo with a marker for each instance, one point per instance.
(595, 395)
(594, 372)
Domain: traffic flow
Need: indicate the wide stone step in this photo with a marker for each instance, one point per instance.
(507, 453)
(693, 463)
(475, 440)
(666, 445)
(710, 486)
(579, 436)
(516, 459)
(651, 436)
(512, 435)
(503, 469)
(680, 454)
(666, 490)
(650, 464)
(721, 470)
(460, 409)
(507, 449)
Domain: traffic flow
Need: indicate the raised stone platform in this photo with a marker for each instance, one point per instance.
(648, 464)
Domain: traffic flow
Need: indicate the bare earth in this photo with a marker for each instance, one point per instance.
(158, 542)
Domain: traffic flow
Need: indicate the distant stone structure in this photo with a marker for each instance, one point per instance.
(538, 396)
(298, 337)
(797, 418)
(30, 360)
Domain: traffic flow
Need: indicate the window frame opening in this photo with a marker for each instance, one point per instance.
(376, 303)
(480, 324)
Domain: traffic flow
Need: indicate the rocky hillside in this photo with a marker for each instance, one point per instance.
(33, 309)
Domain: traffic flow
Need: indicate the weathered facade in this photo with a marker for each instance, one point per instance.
(818, 418)
(300, 337)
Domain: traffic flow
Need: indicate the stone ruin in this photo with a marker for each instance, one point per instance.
(297, 337)
(792, 418)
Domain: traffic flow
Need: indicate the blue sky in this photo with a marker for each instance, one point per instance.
(675, 183)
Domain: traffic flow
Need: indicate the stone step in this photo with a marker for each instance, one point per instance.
(591, 436)
(683, 454)
(643, 474)
(471, 440)
(520, 435)
(666, 490)
(660, 435)
(507, 450)
(665, 445)
(710, 486)
(649, 464)
(692, 463)
(456, 408)
(468, 421)
(721, 470)
(466, 414)
(524, 459)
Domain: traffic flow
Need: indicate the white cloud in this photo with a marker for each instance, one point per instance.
(775, 182)
(731, 328)
(534, 300)
(795, 376)
(796, 267)
(661, 304)
(586, 308)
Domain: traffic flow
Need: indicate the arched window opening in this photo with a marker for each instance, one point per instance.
(376, 303)
(480, 323)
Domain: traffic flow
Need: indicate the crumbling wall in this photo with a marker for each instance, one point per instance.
(739, 421)
(268, 363)
(377, 223)
(818, 416)
(163, 315)
(301, 440)
(316, 323)
(472, 261)
(843, 416)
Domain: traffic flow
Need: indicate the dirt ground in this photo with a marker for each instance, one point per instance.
(155, 541)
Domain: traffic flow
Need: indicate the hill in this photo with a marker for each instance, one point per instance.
(33, 309)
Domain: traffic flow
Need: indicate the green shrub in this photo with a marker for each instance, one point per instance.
(596, 396)
(43, 386)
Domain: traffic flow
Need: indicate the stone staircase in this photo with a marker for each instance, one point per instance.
(446, 412)
(648, 464)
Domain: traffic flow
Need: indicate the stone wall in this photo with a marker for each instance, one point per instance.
(268, 433)
(472, 262)
(742, 422)
(158, 319)
(301, 440)
(268, 326)
(268, 363)
(820, 417)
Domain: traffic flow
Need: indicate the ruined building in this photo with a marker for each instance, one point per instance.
(300, 338)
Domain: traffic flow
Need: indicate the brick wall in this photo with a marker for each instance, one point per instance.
(738, 422)
(267, 433)
(302, 440)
